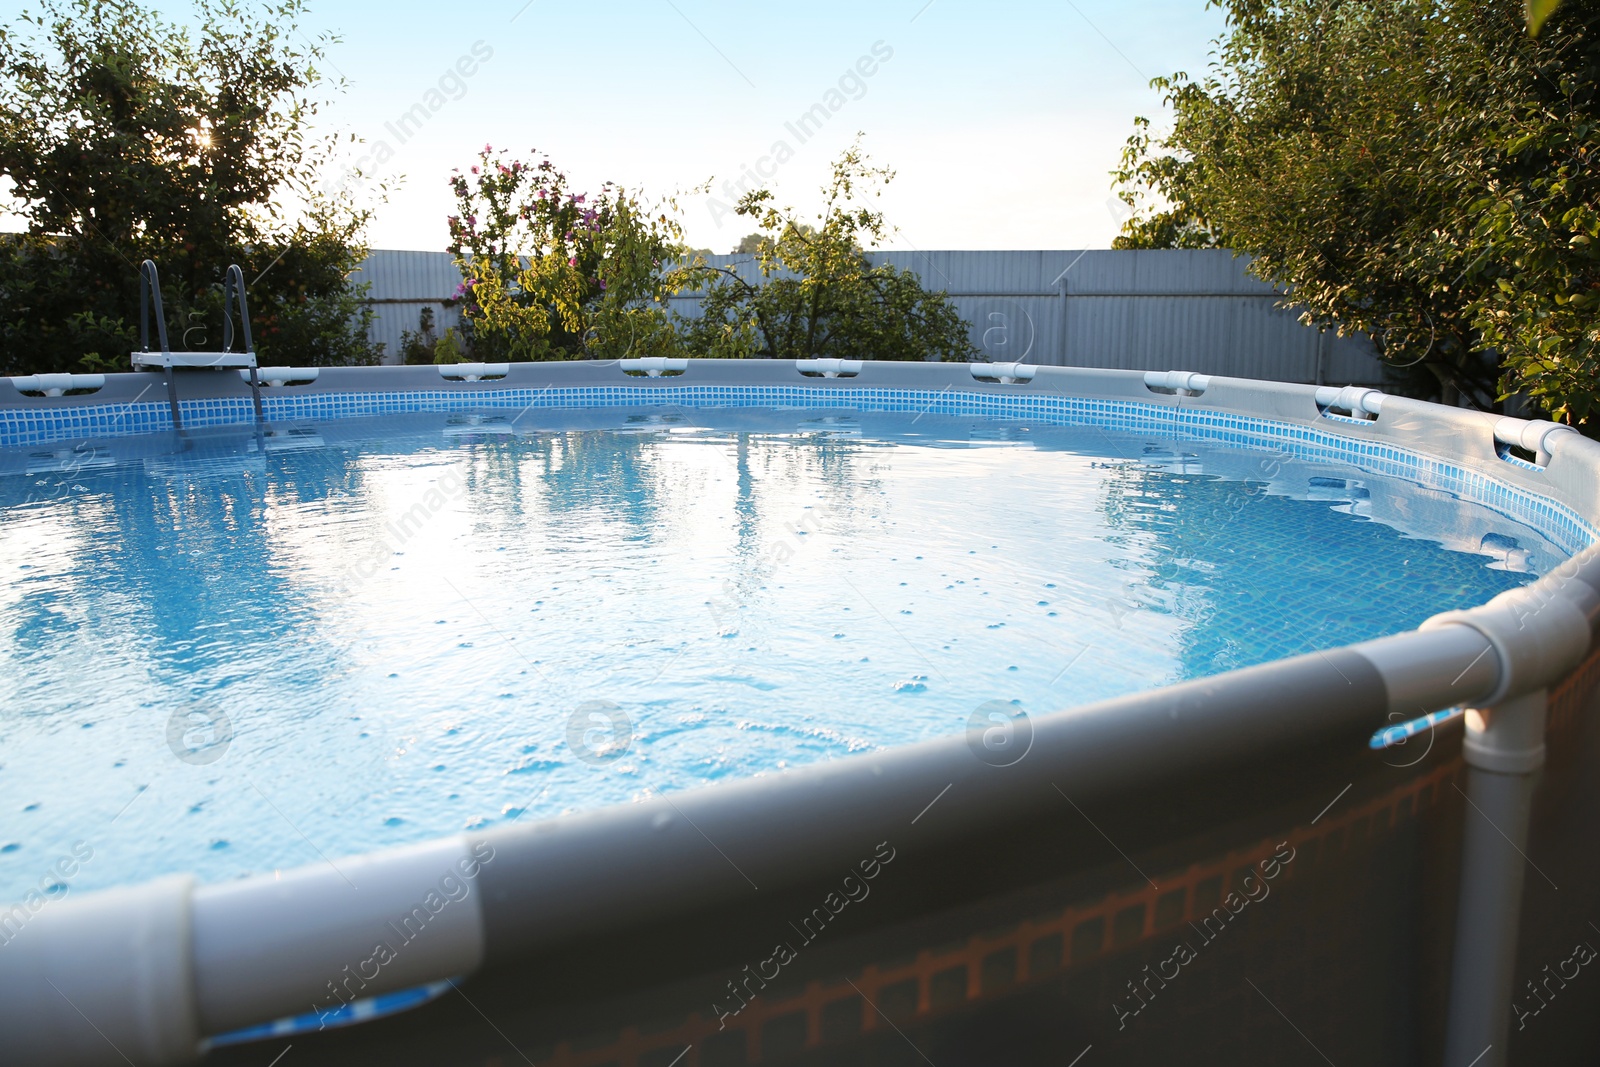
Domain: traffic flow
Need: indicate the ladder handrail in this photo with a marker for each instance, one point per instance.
(150, 291)
(233, 288)
(232, 295)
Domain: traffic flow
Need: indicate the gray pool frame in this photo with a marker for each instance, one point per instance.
(160, 968)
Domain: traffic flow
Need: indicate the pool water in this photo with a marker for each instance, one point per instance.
(248, 653)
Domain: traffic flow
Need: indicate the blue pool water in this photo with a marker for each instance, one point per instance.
(251, 654)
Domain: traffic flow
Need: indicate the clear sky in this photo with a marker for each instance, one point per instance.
(1001, 119)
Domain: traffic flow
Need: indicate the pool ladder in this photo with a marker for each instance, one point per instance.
(166, 360)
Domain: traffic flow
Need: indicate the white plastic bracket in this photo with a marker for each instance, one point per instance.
(829, 368)
(655, 366)
(119, 958)
(473, 372)
(1358, 402)
(1509, 737)
(1535, 437)
(1180, 382)
(57, 384)
(1005, 373)
(278, 376)
(1539, 632)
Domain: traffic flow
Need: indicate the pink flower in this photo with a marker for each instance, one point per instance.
(573, 262)
(474, 170)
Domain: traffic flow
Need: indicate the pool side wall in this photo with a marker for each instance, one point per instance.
(1451, 449)
(570, 915)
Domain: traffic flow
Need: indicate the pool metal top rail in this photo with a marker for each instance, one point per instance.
(1352, 423)
(163, 966)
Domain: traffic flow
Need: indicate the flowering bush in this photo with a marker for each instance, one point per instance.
(549, 273)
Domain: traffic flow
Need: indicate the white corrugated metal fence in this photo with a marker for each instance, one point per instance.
(1158, 310)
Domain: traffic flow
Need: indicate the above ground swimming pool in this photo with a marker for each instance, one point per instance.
(677, 643)
(373, 632)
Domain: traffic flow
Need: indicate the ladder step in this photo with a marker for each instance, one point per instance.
(194, 359)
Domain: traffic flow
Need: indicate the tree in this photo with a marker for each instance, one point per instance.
(1536, 220)
(548, 273)
(819, 294)
(1421, 172)
(748, 245)
(127, 137)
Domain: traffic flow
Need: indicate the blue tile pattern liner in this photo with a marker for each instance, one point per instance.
(1562, 525)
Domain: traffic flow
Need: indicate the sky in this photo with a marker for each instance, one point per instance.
(1001, 120)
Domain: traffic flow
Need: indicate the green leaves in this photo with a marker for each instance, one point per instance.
(817, 294)
(129, 137)
(549, 273)
(1537, 11)
(1418, 172)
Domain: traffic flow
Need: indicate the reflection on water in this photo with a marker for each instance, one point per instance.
(1252, 554)
(399, 617)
